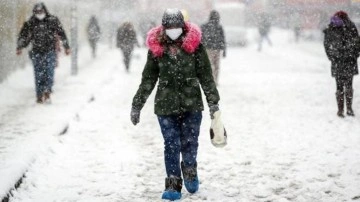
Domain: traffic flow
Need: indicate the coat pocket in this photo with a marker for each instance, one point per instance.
(192, 82)
(162, 84)
(192, 88)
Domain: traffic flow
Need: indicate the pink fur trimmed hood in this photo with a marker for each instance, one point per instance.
(190, 42)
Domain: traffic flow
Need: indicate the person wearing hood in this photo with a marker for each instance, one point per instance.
(93, 32)
(179, 63)
(341, 42)
(126, 40)
(214, 41)
(42, 30)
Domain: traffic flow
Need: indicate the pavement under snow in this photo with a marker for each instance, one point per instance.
(285, 142)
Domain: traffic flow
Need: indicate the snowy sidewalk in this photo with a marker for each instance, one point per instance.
(285, 141)
(27, 128)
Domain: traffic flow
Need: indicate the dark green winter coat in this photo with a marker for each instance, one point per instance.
(180, 69)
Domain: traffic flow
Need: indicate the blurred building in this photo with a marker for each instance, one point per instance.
(315, 13)
(355, 11)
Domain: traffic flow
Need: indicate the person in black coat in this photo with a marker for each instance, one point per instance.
(214, 41)
(42, 30)
(126, 40)
(93, 31)
(341, 42)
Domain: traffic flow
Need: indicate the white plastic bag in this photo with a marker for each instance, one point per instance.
(218, 134)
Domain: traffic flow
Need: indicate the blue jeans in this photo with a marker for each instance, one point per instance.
(180, 134)
(44, 65)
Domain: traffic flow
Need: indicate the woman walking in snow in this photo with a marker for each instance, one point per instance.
(342, 48)
(179, 61)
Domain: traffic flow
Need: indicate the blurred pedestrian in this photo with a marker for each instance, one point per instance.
(341, 42)
(126, 40)
(297, 32)
(179, 61)
(93, 32)
(264, 29)
(296, 25)
(214, 41)
(42, 30)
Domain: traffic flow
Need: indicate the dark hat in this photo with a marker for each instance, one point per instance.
(214, 16)
(342, 14)
(173, 18)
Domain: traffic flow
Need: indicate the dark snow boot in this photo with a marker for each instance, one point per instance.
(191, 179)
(39, 100)
(173, 186)
(47, 97)
(349, 97)
(340, 103)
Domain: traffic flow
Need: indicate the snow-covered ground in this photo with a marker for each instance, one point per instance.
(285, 141)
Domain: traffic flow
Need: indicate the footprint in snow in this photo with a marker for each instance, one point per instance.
(334, 175)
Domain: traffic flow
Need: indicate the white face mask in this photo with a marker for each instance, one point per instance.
(174, 33)
(40, 16)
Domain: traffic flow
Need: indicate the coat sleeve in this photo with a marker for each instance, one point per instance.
(204, 36)
(98, 29)
(223, 40)
(134, 38)
(206, 79)
(24, 36)
(326, 44)
(355, 44)
(61, 33)
(118, 37)
(330, 51)
(149, 78)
